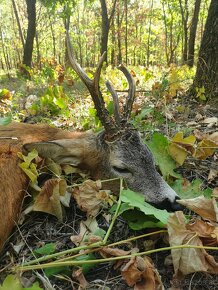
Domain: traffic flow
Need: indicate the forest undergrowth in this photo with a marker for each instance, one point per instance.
(92, 236)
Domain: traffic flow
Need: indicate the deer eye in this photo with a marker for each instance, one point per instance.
(121, 170)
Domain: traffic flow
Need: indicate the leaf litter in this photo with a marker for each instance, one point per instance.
(87, 225)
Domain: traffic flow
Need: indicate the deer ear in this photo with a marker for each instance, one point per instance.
(61, 151)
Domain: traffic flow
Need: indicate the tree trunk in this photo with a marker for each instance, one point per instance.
(18, 22)
(184, 13)
(207, 66)
(126, 31)
(192, 36)
(119, 36)
(149, 32)
(105, 25)
(31, 31)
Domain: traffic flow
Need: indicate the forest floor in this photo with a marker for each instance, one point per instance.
(39, 229)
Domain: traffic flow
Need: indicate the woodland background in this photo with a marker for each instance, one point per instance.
(171, 49)
(151, 34)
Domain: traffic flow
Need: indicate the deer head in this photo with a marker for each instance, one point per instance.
(118, 151)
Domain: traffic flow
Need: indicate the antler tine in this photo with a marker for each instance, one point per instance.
(116, 102)
(93, 87)
(131, 93)
(81, 73)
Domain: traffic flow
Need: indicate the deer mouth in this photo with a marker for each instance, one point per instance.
(169, 205)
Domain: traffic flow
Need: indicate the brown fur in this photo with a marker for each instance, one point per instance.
(13, 182)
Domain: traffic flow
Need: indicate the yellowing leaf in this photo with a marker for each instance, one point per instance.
(180, 147)
(205, 149)
(30, 172)
(48, 199)
(27, 166)
(178, 153)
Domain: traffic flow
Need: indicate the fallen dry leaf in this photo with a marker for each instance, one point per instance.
(204, 149)
(79, 276)
(200, 136)
(213, 174)
(140, 273)
(206, 208)
(210, 121)
(108, 252)
(90, 198)
(205, 230)
(77, 239)
(215, 192)
(188, 260)
(48, 199)
(86, 233)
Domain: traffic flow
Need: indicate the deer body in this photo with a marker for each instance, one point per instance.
(126, 157)
(118, 151)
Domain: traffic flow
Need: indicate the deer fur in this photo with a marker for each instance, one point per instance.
(118, 151)
(125, 157)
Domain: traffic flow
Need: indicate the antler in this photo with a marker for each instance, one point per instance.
(113, 126)
(131, 94)
(93, 86)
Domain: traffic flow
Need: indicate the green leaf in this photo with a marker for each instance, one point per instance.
(29, 157)
(137, 220)
(87, 267)
(28, 167)
(124, 207)
(137, 200)
(6, 120)
(35, 286)
(47, 249)
(159, 147)
(30, 172)
(56, 270)
(60, 103)
(11, 282)
(144, 112)
(186, 189)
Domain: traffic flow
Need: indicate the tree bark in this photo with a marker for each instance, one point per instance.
(207, 66)
(105, 25)
(18, 22)
(149, 32)
(184, 13)
(31, 31)
(192, 35)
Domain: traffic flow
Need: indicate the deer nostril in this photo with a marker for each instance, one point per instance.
(170, 206)
(176, 206)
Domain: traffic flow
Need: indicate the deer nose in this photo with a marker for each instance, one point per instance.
(169, 205)
(176, 206)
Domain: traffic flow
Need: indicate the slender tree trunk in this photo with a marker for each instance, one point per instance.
(149, 33)
(119, 21)
(66, 57)
(37, 48)
(207, 66)
(53, 37)
(7, 65)
(105, 25)
(18, 22)
(126, 31)
(192, 36)
(113, 40)
(166, 33)
(31, 31)
(184, 13)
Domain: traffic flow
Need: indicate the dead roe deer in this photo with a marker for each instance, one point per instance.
(118, 151)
